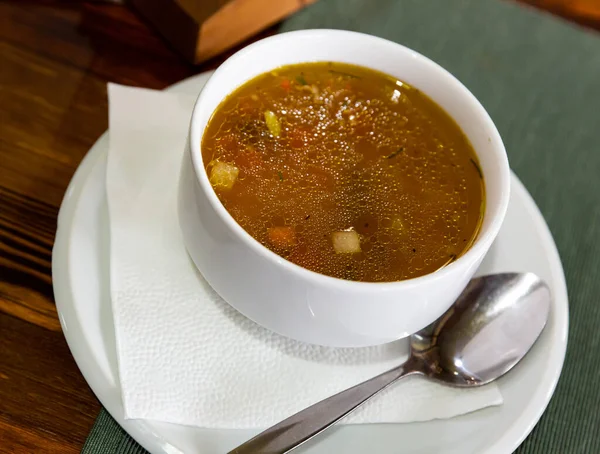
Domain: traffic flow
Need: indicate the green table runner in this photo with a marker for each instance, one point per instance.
(539, 78)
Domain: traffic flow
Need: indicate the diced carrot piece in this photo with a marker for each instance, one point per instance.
(346, 242)
(285, 84)
(282, 237)
(223, 175)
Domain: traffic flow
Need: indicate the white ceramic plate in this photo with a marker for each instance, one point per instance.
(80, 265)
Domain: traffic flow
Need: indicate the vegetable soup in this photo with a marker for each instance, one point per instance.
(345, 171)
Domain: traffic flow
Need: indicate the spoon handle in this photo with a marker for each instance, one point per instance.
(298, 428)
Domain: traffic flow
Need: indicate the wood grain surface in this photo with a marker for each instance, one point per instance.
(55, 60)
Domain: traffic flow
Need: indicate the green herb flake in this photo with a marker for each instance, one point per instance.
(280, 175)
(395, 153)
(341, 73)
(477, 168)
(300, 79)
(272, 123)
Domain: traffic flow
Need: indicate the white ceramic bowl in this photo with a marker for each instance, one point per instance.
(292, 300)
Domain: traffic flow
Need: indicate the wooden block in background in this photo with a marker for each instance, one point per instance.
(201, 29)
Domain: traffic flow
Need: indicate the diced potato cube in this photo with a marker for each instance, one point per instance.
(282, 237)
(346, 242)
(223, 175)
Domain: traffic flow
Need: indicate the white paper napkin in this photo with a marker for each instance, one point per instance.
(185, 356)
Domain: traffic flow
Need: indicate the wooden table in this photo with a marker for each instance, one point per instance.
(54, 64)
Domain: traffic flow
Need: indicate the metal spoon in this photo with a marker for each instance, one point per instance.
(489, 329)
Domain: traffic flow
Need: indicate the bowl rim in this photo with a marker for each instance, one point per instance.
(479, 246)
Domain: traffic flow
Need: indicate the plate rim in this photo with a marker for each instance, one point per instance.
(142, 432)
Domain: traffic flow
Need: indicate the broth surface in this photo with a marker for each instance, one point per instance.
(345, 171)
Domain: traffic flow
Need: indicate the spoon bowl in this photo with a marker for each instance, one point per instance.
(484, 334)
